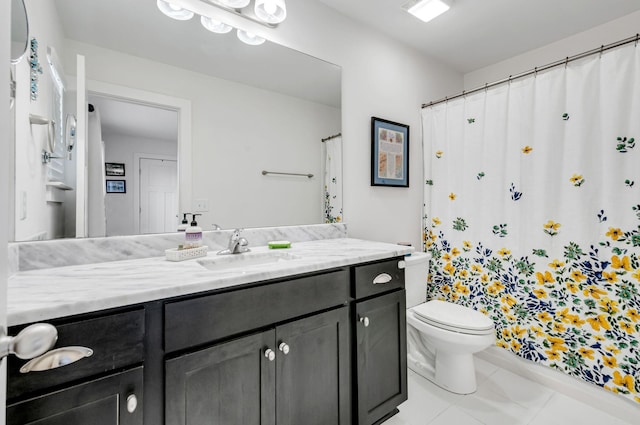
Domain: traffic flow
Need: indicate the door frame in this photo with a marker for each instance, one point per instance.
(5, 181)
(136, 185)
(181, 106)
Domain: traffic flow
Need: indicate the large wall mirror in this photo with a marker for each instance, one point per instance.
(177, 119)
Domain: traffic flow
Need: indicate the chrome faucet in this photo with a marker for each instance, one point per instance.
(237, 244)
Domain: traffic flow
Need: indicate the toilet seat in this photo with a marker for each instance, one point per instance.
(453, 317)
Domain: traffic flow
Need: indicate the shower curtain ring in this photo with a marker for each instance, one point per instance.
(566, 62)
(637, 37)
(535, 72)
(601, 50)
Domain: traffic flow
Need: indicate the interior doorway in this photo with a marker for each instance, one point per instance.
(132, 131)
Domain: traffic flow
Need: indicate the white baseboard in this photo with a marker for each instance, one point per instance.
(570, 386)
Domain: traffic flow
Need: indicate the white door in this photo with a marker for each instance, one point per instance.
(5, 140)
(158, 200)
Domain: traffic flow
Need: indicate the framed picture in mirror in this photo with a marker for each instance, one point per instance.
(114, 169)
(116, 186)
(389, 153)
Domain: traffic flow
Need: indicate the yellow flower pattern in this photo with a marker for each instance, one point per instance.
(573, 313)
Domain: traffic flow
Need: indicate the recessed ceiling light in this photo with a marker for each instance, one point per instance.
(426, 10)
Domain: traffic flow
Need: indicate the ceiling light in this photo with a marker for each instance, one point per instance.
(214, 25)
(426, 10)
(173, 11)
(271, 11)
(250, 38)
(235, 4)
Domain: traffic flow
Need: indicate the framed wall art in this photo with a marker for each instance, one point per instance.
(114, 169)
(389, 153)
(116, 186)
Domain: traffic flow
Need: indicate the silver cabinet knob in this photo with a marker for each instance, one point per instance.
(365, 321)
(270, 354)
(284, 348)
(132, 403)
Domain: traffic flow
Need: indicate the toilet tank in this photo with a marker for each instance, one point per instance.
(415, 277)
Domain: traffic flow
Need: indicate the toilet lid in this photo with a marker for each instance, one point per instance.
(454, 317)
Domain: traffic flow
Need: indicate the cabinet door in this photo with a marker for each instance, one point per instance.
(228, 384)
(313, 377)
(381, 356)
(105, 401)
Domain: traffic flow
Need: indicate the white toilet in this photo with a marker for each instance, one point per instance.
(442, 336)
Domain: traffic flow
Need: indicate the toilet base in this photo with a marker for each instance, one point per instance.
(461, 381)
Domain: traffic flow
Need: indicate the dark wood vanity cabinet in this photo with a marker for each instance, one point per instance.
(103, 389)
(288, 351)
(381, 341)
(251, 381)
(284, 357)
(112, 400)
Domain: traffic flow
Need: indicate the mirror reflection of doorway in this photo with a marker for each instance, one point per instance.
(144, 138)
(158, 195)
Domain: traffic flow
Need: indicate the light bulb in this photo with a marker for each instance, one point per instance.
(271, 11)
(270, 7)
(250, 38)
(214, 25)
(173, 11)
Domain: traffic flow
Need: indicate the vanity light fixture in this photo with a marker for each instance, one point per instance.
(426, 10)
(250, 38)
(268, 13)
(173, 11)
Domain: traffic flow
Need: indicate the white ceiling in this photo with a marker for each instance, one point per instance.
(133, 119)
(138, 28)
(477, 33)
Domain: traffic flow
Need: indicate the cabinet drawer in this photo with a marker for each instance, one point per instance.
(209, 318)
(104, 401)
(116, 341)
(376, 278)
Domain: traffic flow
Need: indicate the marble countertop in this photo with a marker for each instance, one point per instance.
(40, 295)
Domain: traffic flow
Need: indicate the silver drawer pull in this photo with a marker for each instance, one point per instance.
(56, 358)
(365, 321)
(382, 278)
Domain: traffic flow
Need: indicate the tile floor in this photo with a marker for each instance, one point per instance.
(502, 398)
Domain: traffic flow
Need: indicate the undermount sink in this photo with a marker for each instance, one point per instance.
(247, 259)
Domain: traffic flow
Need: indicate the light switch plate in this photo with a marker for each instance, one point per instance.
(201, 205)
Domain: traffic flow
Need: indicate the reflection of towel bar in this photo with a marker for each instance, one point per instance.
(264, 173)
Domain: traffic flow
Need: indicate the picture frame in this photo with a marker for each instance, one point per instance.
(389, 153)
(114, 169)
(116, 186)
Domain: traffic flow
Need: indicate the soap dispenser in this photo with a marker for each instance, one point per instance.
(193, 234)
(185, 223)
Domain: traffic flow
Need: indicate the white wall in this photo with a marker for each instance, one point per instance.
(41, 217)
(381, 78)
(627, 26)
(121, 149)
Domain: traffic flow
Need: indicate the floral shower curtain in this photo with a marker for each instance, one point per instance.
(532, 214)
(333, 180)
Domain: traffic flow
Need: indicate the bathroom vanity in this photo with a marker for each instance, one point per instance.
(315, 337)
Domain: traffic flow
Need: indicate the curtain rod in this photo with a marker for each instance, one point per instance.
(534, 71)
(331, 137)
